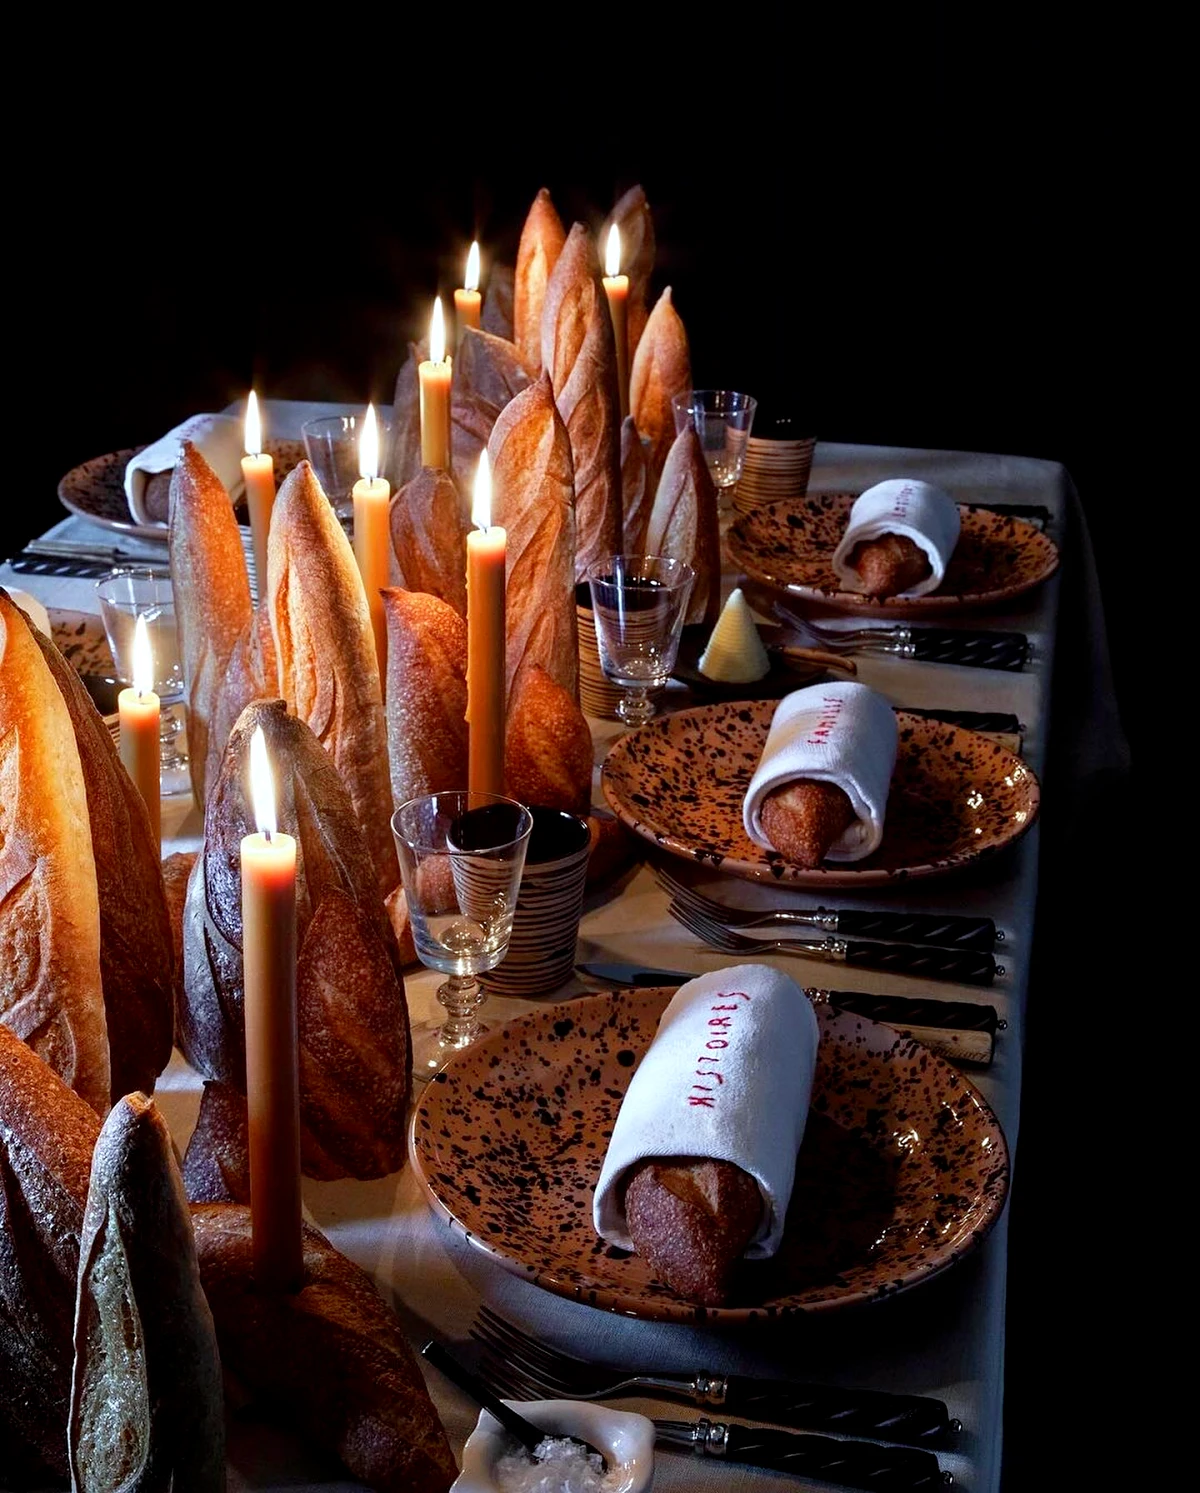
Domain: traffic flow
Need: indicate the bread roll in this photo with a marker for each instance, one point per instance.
(213, 609)
(429, 538)
(890, 564)
(632, 217)
(216, 1165)
(691, 1219)
(661, 369)
(579, 353)
(352, 1016)
(530, 456)
(542, 240)
(328, 670)
(147, 1407)
(426, 695)
(548, 745)
(50, 982)
(331, 1360)
(636, 495)
(497, 315)
(46, 1138)
(803, 819)
(684, 524)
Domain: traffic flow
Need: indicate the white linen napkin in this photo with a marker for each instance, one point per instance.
(728, 1076)
(841, 733)
(32, 608)
(218, 438)
(902, 505)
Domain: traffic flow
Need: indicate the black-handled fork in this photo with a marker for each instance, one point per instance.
(853, 1464)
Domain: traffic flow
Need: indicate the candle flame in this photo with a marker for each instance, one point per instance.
(368, 446)
(437, 333)
(143, 657)
(262, 784)
(612, 254)
(471, 278)
(253, 436)
(481, 504)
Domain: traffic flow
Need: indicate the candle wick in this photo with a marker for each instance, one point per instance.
(267, 836)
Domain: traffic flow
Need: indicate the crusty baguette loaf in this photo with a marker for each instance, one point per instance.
(216, 1165)
(252, 674)
(684, 524)
(137, 953)
(691, 1219)
(636, 496)
(530, 456)
(889, 565)
(46, 1138)
(661, 369)
(542, 240)
(325, 646)
(632, 217)
(426, 694)
(176, 869)
(405, 461)
(352, 1016)
(802, 819)
(429, 538)
(213, 609)
(579, 353)
(489, 367)
(548, 749)
(330, 1360)
(497, 315)
(51, 994)
(147, 1407)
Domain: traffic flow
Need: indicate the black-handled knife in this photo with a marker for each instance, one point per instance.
(853, 1464)
(914, 1420)
(976, 650)
(922, 961)
(946, 930)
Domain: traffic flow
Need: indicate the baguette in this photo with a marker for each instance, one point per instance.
(325, 645)
(331, 1359)
(889, 565)
(661, 369)
(51, 994)
(47, 1134)
(497, 315)
(542, 240)
(147, 1410)
(213, 610)
(426, 695)
(802, 819)
(636, 226)
(429, 538)
(405, 461)
(684, 524)
(216, 1165)
(489, 367)
(530, 457)
(636, 494)
(548, 750)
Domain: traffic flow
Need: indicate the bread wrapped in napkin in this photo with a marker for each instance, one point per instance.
(721, 1096)
(684, 524)
(661, 368)
(542, 240)
(834, 742)
(218, 438)
(352, 1016)
(898, 540)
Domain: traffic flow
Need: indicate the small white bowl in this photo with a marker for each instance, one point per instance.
(625, 1440)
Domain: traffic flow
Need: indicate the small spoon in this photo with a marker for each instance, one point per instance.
(529, 1435)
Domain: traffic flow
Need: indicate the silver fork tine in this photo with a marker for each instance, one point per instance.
(711, 933)
(554, 1370)
(731, 917)
(507, 1383)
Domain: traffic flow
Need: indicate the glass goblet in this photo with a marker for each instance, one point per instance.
(461, 856)
(638, 606)
(722, 418)
(331, 445)
(125, 595)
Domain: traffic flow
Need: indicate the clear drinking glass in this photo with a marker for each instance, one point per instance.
(638, 606)
(722, 418)
(461, 856)
(124, 595)
(331, 445)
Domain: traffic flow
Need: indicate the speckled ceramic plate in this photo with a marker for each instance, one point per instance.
(680, 782)
(96, 490)
(790, 544)
(903, 1169)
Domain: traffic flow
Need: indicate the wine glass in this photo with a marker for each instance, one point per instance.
(125, 595)
(461, 857)
(331, 445)
(638, 605)
(722, 418)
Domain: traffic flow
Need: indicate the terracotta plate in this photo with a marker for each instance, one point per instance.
(903, 1169)
(790, 544)
(96, 490)
(680, 782)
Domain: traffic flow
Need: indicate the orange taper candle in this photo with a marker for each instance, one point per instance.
(468, 301)
(616, 288)
(259, 471)
(486, 547)
(272, 1062)
(372, 531)
(434, 380)
(138, 711)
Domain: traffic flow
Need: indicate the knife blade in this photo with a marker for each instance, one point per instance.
(960, 1031)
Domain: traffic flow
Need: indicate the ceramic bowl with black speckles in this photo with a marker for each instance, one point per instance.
(790, 544)
(902, 1172)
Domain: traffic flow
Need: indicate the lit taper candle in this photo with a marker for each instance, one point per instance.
(467, 301)
(138, 712)
(434, 379)
(486, 551)
(259, 471)
(616, 288)
(372, 532)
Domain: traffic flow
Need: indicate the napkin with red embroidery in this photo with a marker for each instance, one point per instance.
(903, 505)
(728, 1077)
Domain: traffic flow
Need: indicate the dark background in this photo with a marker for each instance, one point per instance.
(900, 230)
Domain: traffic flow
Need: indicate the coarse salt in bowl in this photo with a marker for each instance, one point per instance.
(494, 1463)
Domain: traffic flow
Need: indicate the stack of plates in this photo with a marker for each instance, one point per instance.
(777, 465)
